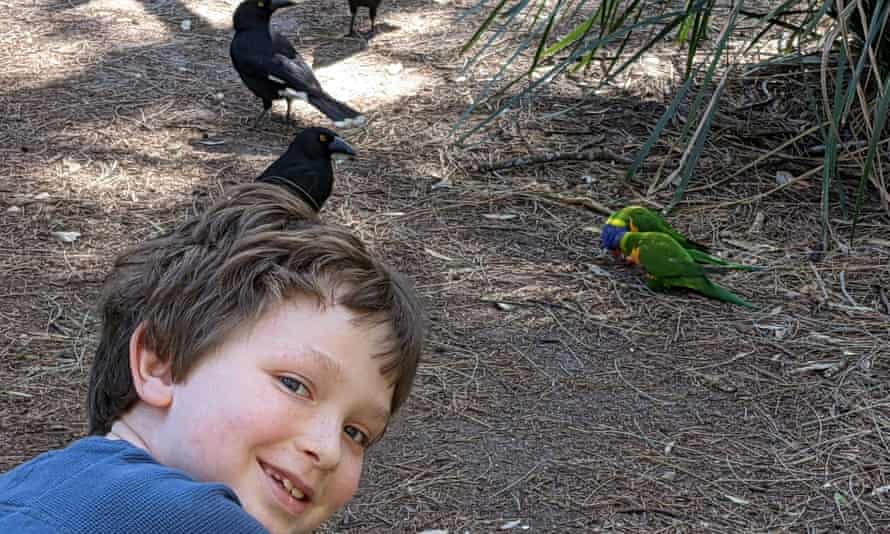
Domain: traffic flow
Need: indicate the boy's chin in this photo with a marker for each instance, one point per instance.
(272, 516)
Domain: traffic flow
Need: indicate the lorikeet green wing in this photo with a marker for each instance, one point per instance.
(640, 219)
(670, 265)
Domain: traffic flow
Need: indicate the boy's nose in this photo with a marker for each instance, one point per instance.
(321, 441)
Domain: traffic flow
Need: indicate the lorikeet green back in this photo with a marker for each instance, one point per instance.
(670, 265)
(640, 219)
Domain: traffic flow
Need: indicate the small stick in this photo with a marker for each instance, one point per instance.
(820, 282)
(884, 300)
(584, 202)
(844, 289)
(589, 155)
(518, 480)
(638, 390)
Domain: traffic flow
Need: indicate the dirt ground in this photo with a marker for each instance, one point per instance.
(558, 394)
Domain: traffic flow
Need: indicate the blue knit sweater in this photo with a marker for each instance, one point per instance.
(97, 485)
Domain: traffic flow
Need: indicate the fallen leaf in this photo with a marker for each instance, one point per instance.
(66, 237)
(783, 177)
(720, 383)
(442, 184)
(435, 254)
(880, 490)
(596, 270)
(839, 499)
(738, 500)
(757, 225)
(818, 366)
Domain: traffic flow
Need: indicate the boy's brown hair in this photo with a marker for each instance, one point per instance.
(224, 267)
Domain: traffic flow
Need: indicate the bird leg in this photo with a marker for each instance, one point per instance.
(266, 107)
(288, 108)
(372, 12)
(352, 24)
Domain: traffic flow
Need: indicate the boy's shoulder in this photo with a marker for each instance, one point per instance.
(101, 485)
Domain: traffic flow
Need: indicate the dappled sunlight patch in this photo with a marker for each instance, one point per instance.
(371, 80)
(217, 15)
(420, 23)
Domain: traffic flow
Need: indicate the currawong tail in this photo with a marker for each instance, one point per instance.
(340, 114)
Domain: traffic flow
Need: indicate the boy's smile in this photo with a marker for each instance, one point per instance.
(282, 412)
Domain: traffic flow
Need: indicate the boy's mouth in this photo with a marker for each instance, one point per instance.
(287, 483)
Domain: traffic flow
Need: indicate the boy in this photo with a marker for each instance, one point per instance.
(247, 361)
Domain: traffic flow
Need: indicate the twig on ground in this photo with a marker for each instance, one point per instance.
(519, 480)
(844, 289)
(638, 390)
(522, 161)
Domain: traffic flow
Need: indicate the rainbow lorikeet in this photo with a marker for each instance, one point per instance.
(640, 219)
(669, 265)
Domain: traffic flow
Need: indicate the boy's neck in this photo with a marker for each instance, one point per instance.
(121, 430)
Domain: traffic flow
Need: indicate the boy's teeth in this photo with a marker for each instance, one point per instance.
(294, 492)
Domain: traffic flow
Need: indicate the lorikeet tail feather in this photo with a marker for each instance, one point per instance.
(709, 289)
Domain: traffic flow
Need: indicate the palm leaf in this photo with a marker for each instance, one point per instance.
(829, 167)
(880, 121)
(562, 65)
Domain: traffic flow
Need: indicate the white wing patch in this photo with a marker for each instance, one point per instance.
(287, 92)
(276, 79)
(353, 122)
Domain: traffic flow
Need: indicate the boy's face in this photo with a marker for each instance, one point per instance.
(282, 413)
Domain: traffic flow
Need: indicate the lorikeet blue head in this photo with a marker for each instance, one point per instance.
(611, 237)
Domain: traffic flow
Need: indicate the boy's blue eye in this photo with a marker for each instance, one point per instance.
(357, 436)
(294, 385)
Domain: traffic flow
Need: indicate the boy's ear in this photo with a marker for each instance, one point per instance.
(152, 377)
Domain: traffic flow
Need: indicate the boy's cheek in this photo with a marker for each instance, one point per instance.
(345, 488)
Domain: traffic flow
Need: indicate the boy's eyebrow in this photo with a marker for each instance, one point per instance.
(329, 365)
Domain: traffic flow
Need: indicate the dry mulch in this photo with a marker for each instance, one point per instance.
(558, 393)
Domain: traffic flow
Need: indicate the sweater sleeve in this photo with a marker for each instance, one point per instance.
(152, 498)
(99, 486)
